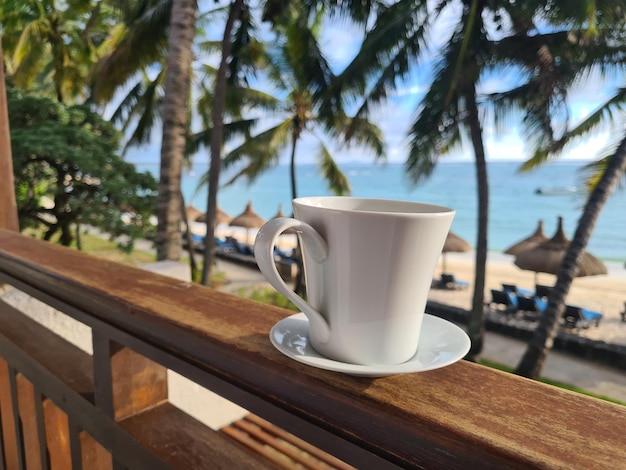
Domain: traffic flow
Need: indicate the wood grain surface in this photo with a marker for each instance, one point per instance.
(461, 416)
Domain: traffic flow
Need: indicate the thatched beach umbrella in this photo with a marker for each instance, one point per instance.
(248, 219)
(528, 242)
(547, 257)
(220, 218)
(453, 244)
(279, 215)
(192, 213)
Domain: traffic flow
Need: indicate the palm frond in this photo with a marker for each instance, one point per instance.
(609, 113)
(364, 133)
(198, 140)
(234, 129)
(261, 149)
(30, 51)
(592, 172)
(143, 108)
(124, 109)
(209, 47)
(143, 43)
(30, 65)
(398, 33)
(248, 54)
(239, 128)
(440, 115)
(240, 99)
(338, 183)
(612, 111)
(305, 58)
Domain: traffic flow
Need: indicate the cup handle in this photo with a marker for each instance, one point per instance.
(264, 254)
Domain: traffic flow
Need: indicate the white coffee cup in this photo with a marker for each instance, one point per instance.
(368, 265)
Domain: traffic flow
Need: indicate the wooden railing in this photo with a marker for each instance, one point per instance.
(62, 408)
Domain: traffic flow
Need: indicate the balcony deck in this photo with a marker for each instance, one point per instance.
(113, 407)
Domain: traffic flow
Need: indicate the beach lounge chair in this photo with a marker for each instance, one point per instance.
(508, 300)
(542, 291)
(517, 290)
(448, 281)
(591, 316)
(224, 246)
(240, 248)
(532, 307)
(282, 254)
(197, 240)
(578, 317)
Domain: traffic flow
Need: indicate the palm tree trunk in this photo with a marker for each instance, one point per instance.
(299, 284)
(175, 122)
(476, 324)
(217, 140)
(292, 168)
(8, 204)
(532, 362)
(190, 246)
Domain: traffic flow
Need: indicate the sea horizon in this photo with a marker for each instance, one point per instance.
(515, 207)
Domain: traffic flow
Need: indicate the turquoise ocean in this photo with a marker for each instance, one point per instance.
(514, 210)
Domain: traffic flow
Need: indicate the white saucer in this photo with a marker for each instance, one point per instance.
(441, 344)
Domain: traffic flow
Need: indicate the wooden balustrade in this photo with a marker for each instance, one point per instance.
(62, 408)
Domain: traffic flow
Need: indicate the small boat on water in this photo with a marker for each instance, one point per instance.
(556, 191)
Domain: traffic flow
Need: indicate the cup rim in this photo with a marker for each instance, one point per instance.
(420, 208)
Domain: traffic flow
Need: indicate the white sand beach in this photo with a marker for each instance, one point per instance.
(605, 294)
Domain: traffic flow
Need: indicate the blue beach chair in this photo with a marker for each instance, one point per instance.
(508, 300)
(578, 317)
(224, 246)
(517, 290)
(448, 281)
(532, 307)
(542, 291)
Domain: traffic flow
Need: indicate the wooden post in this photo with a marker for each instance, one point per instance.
(8, 204)
(126, 383)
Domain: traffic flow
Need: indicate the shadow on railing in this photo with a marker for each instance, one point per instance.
(61, 407)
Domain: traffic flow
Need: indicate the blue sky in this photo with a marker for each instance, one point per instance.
(340, 41)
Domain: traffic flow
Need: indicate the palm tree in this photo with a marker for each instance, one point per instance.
(52, 43)
(449, 112)
(451, 103)
(141, 109)
(137, 44)
(533, 359)
(272, 11)
(606, 173)
(453, 111)
(291, 69)
(175, 123)
(553, 62)
(217, 135)
(293, 63)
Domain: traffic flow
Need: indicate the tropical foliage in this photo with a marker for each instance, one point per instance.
(67, 172)
(535, 40)
(603, 177)
(294, 61)
(51, 46)
(101, 51)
